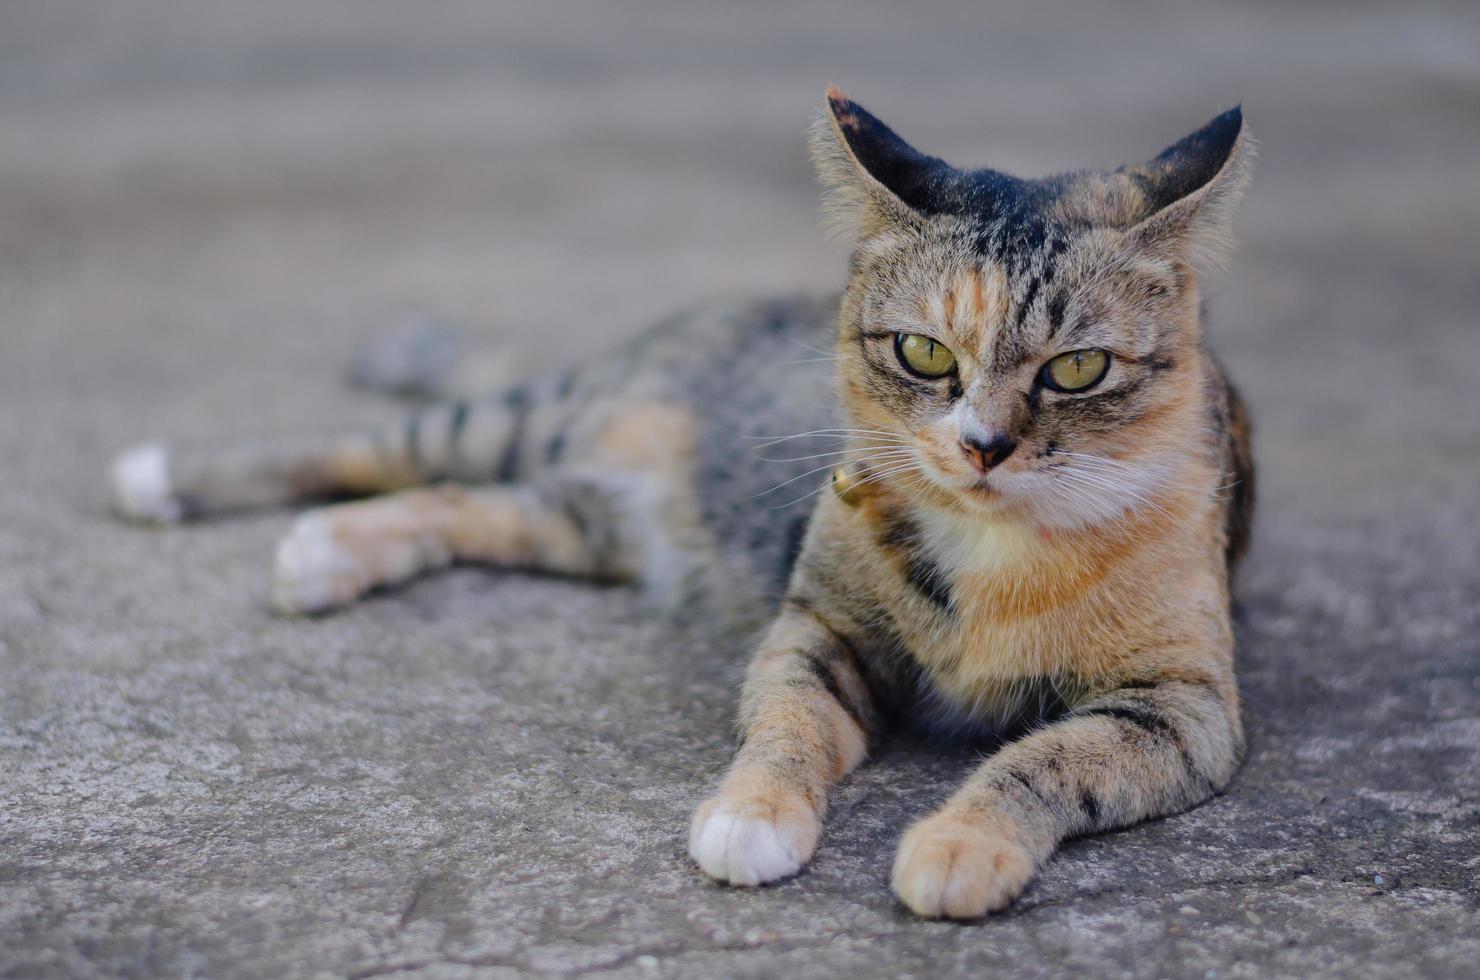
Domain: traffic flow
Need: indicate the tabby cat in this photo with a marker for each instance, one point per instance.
(1029, 494)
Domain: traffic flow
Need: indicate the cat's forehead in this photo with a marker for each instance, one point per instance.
(1001, 285)
(1015, 223)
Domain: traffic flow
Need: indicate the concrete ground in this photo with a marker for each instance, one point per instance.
(205, 207)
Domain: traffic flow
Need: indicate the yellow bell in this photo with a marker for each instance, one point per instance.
(847, 483)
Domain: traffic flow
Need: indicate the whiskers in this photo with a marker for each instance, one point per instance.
(1075, 490)
(1086, 488)
(822, 355)
(879, 435)
(880, 454)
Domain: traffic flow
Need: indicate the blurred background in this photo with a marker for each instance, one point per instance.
(203, 202)
(206, 206)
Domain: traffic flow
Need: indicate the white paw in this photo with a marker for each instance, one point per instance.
(140, 480)
(739, 845)
(313, 572)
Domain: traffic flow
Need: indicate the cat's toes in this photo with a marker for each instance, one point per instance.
(751, 842)
(953, 867)
(140, 482)
(313, 571)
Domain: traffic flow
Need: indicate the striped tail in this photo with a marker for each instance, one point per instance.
(468, 441)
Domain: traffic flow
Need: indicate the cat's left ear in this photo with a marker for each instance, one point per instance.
(1191, 189)
(874, 178)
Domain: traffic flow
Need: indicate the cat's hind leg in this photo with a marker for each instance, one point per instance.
(597, 527)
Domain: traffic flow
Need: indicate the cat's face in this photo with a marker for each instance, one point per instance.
(1060, 406)
(1025, 346)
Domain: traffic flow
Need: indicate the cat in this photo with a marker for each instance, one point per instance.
(1015, 519)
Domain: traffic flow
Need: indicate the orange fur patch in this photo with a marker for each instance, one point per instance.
(360, 469)
(650, 435)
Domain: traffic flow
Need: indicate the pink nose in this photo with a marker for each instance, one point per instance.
(987, 453)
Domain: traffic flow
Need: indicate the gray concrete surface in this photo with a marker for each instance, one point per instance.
(204, 207)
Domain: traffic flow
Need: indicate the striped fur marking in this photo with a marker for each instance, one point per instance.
(901, 537)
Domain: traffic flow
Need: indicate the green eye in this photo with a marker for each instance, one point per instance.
(923, 356)
(1076, 370)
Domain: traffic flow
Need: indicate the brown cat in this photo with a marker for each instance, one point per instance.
(1040, 483)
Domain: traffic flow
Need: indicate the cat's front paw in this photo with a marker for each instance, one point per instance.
(751, 841)
(956, 867)
(140, 482)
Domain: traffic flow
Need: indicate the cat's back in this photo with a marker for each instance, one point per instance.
(1232, 432)
(766, 407)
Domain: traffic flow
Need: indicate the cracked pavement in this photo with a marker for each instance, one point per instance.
(205, 209)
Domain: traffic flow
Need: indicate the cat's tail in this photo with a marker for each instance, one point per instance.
(469, 440)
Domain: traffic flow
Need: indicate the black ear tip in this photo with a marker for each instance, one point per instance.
(1224, 128)
(879, 151)
(1212, 143)
(843, 109)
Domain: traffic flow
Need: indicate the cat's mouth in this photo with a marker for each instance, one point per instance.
(973, 487)
(1001, 489)
(983, 488)
(982, 494)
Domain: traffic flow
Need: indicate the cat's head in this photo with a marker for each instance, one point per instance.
(1026, 346)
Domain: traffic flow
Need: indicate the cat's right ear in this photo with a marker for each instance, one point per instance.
(1195, 183)
(874, 179)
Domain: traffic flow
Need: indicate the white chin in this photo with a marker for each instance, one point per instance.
(992, 500)
(1067, 508)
